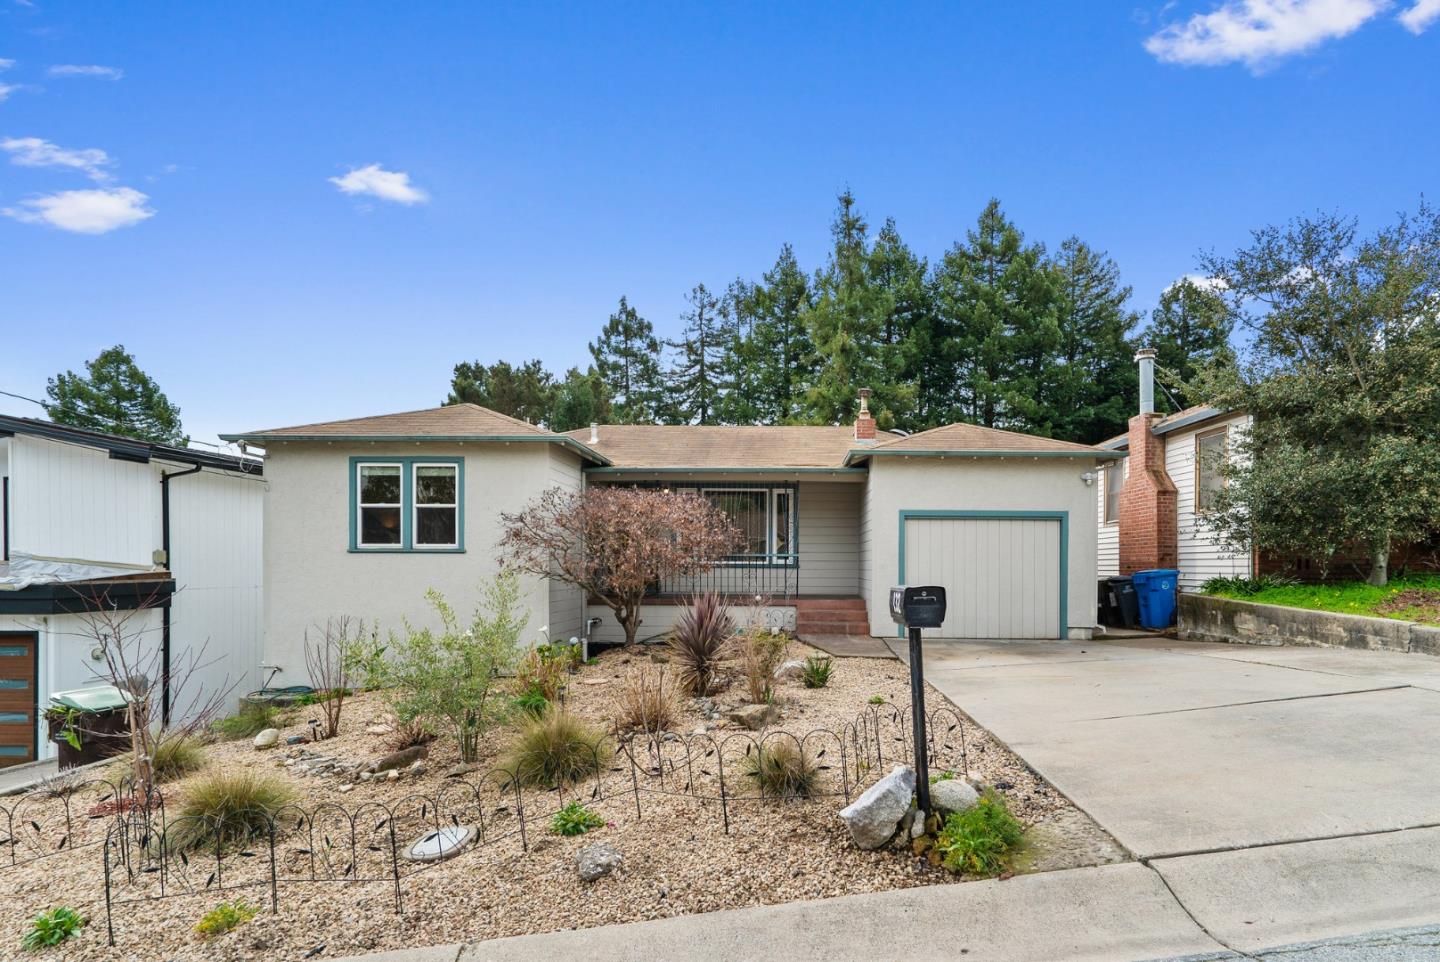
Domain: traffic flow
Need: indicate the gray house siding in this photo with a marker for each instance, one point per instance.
(830, 537)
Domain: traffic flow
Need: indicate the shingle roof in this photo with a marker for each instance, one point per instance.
(452, 422)
(671, 446)
(656, 447)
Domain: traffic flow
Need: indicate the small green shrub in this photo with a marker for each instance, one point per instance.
(782, 768)
(225, 916)
(225, 807)
(252, 719)
(980, 840)
(177, 756)
(52, 928)
(815, 673)
(1239, 587)
(575, 819)
(877, 699)
(532, 702)
(556, 748)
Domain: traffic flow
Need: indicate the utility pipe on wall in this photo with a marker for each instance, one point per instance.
(165, 610)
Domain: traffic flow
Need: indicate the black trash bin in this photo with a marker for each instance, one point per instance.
(1120, 605)
(88, 724)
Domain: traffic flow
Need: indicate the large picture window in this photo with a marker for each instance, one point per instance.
(766, 519)
(407, 504)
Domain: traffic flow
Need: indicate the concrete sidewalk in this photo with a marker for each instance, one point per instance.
(1114, 912)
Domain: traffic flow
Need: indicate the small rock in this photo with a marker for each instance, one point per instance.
(464, 768)
(917, 828)
(295, 740)
(755, 717)
(922, 844)
(346, 787)
(268, 738)
(953, 795)
(393, 774)
(366, 776)
(1003, 786)
(417, 768)
(397, 759)
(873, 816)
(790, 670)
(597, 861)
(701, 730)
(705, 706)
(378, 729)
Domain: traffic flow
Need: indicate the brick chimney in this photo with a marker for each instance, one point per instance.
(1148, 522)
(864, 423)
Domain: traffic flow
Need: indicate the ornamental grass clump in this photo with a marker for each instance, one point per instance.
(556, 749)
(761, 652)
(252, 719)
(698, 641)
(980, 840)
(225, 807)
(815, 673)
(782, 768)
(645, 703)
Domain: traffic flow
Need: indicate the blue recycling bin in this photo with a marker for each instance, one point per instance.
(1156, 591)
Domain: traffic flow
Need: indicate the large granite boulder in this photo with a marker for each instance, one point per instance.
(873, 816)
(953, 795)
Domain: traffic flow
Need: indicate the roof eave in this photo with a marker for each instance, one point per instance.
(1098, 454)
(563, 440)
(714, 469)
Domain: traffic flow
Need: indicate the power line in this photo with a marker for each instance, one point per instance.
(23, 398)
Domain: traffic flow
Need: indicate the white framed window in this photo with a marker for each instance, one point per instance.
(1114, 475)
(379, 507)
(1209, 468)
(436, 510)
(766, 519)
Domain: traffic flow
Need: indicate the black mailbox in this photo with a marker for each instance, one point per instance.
(918, 607)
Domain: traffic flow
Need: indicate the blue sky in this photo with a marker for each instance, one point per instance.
(174, 176)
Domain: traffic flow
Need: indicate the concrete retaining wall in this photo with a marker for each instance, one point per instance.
(1205, 618)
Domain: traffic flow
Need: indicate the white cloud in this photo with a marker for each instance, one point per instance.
(85, 211)
(34, 152)
(6, 90)
(6, 63)
(375, 181)
(1420, 16)
(1201, 281)
(1260, 32)
(85, 70)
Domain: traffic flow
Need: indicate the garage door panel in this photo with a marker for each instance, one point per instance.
(1002, 575)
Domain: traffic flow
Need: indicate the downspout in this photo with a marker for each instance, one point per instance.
(165, 609)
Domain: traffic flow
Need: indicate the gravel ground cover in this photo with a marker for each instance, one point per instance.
(677, 857)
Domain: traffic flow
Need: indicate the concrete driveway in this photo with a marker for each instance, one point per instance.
(1283, 794)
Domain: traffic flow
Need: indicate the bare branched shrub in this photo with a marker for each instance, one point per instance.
(166, 704)
(645, 703)
(761, 652)
(328, 661)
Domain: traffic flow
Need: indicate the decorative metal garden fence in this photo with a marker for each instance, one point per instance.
(148, 854)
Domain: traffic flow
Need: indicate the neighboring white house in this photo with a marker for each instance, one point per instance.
(1162, 523)
(363, 516)
(171, 533)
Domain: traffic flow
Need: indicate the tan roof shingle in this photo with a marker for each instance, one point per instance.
(714, 446)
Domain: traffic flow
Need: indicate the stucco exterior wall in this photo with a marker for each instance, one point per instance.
(311, 573)
(983, 484)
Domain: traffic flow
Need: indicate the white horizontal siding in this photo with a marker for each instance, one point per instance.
(866, 552)
(829, 538)
(1201, 555)
(1107, 536)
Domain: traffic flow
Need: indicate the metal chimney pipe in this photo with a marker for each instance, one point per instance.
(1146, 358)
(594, 433)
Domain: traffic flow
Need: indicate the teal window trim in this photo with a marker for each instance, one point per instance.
(1063, 517)
(407, 506)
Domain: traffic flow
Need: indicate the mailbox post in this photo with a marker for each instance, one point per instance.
(916, 608)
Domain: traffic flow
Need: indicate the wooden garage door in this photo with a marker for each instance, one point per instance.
(1001, 575)
(17, 699)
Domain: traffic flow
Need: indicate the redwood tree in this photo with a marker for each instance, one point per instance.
(615, 542)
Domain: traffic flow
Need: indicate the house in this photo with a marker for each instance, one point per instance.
(1151, 503)
(364, 515)
(88, 518)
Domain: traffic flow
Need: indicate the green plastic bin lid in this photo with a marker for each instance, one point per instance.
(99, 698)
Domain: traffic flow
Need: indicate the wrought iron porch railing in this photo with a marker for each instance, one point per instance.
(771, 575)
